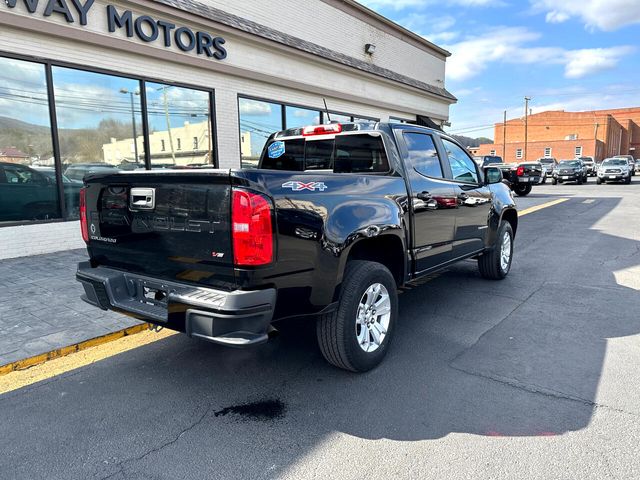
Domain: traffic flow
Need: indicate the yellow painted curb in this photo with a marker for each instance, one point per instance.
(64, 351)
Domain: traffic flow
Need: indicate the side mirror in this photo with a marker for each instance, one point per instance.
(492, 175)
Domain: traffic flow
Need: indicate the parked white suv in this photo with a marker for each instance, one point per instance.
(614, 170)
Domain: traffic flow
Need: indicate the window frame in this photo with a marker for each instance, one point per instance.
(55, 144)
(519, 153)
(548, 151)
(578, 147)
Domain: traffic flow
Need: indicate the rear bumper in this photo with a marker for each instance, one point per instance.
(236, 318)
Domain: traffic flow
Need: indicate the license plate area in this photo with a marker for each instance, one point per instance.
(150, 293)
(612, 176)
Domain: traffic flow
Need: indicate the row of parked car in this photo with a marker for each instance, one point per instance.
(616, 169)
(521, 176)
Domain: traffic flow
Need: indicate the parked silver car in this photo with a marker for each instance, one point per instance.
(614, 170)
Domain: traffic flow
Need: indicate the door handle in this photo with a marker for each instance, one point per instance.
(425, 196)
(463, 196)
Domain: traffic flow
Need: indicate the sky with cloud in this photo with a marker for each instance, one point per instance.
(564, 54)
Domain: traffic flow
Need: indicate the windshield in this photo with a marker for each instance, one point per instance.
(614, 163)
(569, 163)
(546, 161)
(362, 153)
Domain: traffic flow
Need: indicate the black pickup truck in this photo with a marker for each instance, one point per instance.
(334, 220)
(519, 177)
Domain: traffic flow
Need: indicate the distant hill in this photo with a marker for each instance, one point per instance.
(29, 138)
(471, 142)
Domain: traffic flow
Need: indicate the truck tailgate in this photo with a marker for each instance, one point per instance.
(171, 224)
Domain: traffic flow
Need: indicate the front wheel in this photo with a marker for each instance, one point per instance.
(554, 181)
(496, 264)
(628, 180)
(357, 335)
(522, 190)
(599, 181)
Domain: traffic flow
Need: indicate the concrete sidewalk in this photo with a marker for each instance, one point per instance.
(41, 310)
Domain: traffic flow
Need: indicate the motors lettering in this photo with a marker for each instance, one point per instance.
(143, 27)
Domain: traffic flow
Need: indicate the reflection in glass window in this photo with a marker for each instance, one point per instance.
(462, 167)
(258, 120)
(99, 125)
(301, 117)
(179, 126)
(423, 154)
(336, 118)
(25, 144)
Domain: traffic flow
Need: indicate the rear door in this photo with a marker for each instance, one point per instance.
(473, 200)
(433, 200)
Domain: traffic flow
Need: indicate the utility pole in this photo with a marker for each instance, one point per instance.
(504, 138)
(526, 125)
(166, 115)
(133, 119)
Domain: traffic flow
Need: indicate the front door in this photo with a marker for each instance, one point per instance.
(474, 201)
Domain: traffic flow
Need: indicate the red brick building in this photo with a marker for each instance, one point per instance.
(565, 135)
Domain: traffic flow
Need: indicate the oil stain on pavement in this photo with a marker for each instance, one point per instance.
(264, 411)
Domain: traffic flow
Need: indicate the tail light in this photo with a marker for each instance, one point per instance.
(252, 228)
(330, 129)
(84, 228)
(520, 171)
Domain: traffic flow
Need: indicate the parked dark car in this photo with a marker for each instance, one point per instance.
(614, 170)
(521, 177)
(333, 221)
(487, 160)
(28, 193)
(570, 171)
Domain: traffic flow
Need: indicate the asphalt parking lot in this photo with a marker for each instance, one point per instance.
(533, 377)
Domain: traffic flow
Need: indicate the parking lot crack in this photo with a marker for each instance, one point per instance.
(122, 466)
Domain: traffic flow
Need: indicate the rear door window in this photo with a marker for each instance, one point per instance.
(361, 153)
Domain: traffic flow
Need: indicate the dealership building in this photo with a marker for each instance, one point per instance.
(104, 86)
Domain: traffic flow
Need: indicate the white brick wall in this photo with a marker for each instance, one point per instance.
(30, 240)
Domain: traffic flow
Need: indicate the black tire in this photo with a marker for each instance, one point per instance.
(586, 179)
(336, 331)
(554, 181)
(580, 181)
(522, 190)
(628, 180)
(599, 181)
(490, 264)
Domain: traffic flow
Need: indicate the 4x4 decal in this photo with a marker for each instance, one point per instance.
(300, 186)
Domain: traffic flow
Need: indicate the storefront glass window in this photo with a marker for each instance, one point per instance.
(258, 120)
(28, 189)
(179, 126)
(301, 117)
(99, 116)
(336, 117)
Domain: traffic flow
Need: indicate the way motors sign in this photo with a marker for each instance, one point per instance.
(143, 27)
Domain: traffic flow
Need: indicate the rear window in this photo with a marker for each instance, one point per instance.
(363, 153)
(488, 160)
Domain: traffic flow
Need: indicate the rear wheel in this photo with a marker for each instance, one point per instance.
(554, 181)
(522, 190)
(599, 181)
(496, 264)
(357, 335)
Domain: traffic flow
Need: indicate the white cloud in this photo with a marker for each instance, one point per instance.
(589, 61)
(604, 15)
(254, 108)
(512, 45)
